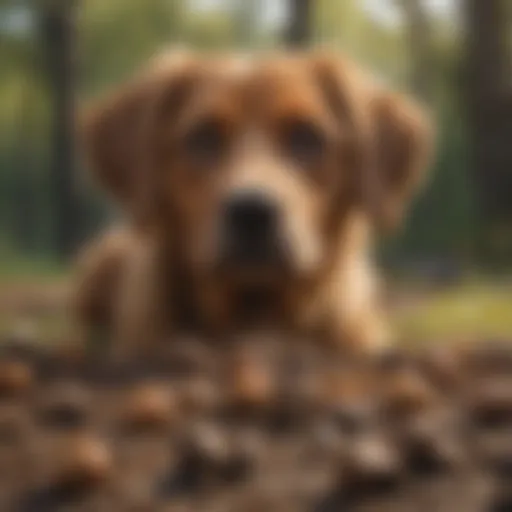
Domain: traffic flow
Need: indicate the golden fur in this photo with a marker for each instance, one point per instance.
(191, 130)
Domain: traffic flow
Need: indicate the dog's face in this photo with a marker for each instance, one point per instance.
(253, 165)
(252, 170)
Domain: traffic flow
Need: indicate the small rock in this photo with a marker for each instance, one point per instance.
(198, 396)
(149, 406)
(187, 356)
(433, 444)
(495, 452)
(490, 403)
(372, 464)
(204, 453)
(356, 417)
(408, 392)
(14, 425)
(443, 367)
(65, 405)
(211, 456)
(327, 440)
(251, 385)
(83, 462)
(16, 377)
(245, 449)
(501, 502)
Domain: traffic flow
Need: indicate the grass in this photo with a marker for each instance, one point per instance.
(18, 270)
(31, 297)
(467, 311)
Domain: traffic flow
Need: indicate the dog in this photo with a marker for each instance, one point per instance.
(253, 188)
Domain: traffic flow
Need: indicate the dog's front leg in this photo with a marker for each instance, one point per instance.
(354, 314)
(142, 314)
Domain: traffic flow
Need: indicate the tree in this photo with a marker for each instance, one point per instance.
(488, 97)
(299, 31)
(247, 17)
(58, 33)
(117, 36)
(418, 34)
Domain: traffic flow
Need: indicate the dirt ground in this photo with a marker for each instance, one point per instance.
(263, 424)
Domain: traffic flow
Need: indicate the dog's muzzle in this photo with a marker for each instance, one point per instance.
(251, 230)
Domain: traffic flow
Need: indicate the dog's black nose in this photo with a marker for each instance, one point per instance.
(251, 216)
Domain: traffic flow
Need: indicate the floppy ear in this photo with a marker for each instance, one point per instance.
(403, 143)
(392, 138)
(117, 131)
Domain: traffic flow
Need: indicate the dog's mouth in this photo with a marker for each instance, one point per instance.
(255, 303)
(254, 263)
(255, 277)
(249, 255)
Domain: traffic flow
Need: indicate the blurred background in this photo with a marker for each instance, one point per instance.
(450, 268)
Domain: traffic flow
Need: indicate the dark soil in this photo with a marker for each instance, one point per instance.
(263, 425)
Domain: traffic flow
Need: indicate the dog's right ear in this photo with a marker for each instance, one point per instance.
(403, 147)
(117, 132)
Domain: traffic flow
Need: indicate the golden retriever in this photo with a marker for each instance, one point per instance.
(253, 189)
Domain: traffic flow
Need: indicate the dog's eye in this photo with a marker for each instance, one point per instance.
(206, 141)
(303, 141)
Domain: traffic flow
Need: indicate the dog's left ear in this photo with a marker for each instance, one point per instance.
(393, 137)
(402, 140)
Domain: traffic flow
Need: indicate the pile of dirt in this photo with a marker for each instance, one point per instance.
(262, 425)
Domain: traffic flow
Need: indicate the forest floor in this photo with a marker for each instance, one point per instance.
(259, 426)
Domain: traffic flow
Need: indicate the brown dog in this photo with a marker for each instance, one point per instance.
(253, 189)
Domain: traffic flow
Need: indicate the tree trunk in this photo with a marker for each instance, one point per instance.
(420, 47)
(247, 15)
(58, 19)
(25, 193)
(299, 31)
(488, 95)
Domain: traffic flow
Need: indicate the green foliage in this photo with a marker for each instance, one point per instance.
(210, 31)
(442, 219)
(117, 36)
(466, 312)
(347, 26)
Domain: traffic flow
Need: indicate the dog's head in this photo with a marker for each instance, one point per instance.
(254, 164)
